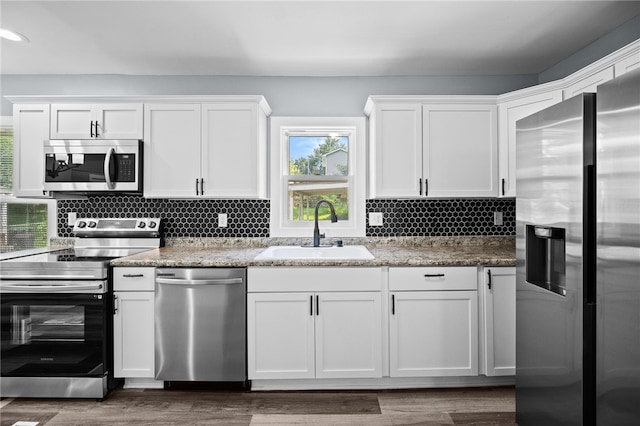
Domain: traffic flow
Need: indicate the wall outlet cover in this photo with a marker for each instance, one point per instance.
(71, 218)
(376, 219)
(222, 220)
(497, 218)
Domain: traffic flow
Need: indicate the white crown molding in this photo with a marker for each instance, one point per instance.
(610, 60)
(49, 99)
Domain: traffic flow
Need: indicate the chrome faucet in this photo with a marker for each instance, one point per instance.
(316, 230)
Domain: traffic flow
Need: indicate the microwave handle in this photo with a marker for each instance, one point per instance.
(107, 163)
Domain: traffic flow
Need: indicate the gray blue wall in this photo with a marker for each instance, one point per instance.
(287, 96)
(620, 37)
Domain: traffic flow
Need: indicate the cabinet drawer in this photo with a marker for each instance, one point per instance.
(295, 279)
(433, 278)
(134, 279)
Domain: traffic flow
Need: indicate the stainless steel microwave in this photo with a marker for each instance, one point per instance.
(93, 165)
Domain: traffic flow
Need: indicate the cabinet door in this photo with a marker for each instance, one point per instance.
(133, 334)
(233, 161)
(280, 336)
(171, 150)
(348, 335)
(508, 114)
(89, 121)
(30, 129)
(434, 333)
(119, 121)
(396, 151)
(460, 150)
(71, 121)
(500, 321)
(589, 84)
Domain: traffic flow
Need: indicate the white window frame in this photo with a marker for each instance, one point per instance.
(281, 128)
(52, 208)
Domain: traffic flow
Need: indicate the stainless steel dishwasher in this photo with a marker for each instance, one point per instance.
(200, 324)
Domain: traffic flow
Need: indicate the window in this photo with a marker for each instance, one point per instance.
(314, 159)
(25, 224)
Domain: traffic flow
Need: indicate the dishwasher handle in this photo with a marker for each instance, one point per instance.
(215, 281)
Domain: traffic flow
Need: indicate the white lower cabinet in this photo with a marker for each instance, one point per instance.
(500, 321)
(133, 322)
(324, 330)
(433, 321)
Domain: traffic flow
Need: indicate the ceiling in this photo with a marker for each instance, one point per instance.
(302, 37)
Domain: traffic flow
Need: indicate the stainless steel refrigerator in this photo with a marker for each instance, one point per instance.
(578, 260)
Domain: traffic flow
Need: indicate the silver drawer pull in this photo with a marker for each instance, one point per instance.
(433, 275)
(133, 275)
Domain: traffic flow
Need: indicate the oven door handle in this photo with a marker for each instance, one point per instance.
(40, 288)
(107, 168)
(50, 277)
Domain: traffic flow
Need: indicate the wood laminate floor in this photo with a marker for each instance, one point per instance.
(460, 406)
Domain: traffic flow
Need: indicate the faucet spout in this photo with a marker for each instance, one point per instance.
(316, 230)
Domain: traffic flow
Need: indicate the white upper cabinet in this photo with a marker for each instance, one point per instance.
(210, 150)
(395, 138)
(234, 150)
(509, 112)
(172, 150)
(444, 148)
(30, 130)
(96, 121)
(459, 157)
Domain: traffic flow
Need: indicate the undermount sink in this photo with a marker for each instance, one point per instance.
(315, 253)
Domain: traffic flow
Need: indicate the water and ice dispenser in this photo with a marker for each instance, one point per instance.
(546, 258)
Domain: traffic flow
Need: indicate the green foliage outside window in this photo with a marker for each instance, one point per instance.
(23, 226)
(6, 160)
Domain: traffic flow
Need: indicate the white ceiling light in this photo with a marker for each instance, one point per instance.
(12, 35)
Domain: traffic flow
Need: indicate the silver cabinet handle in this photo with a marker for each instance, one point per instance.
(218, 281)
(489, 283)
(133, 275)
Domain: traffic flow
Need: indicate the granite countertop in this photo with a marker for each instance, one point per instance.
(490, 251)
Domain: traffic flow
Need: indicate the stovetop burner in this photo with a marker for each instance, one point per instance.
(98, 241)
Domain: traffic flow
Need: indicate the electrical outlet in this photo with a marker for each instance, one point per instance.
(222, 220)
(497, 218)
(375, 219)
(71, 218)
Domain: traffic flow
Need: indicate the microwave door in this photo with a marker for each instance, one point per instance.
(87, 168)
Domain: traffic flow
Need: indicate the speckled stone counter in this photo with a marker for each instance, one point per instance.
(408, 251)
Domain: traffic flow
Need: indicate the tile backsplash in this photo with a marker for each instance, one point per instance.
(250, 218)
(442, 217)
(182, 218)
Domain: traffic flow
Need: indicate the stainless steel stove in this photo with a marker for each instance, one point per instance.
(56, 309)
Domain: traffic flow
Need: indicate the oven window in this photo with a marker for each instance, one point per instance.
(43, 323)
(54, 334)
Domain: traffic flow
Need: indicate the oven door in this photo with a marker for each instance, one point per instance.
(88, 165)
(54, 334)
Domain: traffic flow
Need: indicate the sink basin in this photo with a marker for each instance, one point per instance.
(315, 253)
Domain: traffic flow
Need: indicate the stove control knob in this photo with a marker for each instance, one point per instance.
(92, 224)
(141, 225)
(81, 224)
(152, 224)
